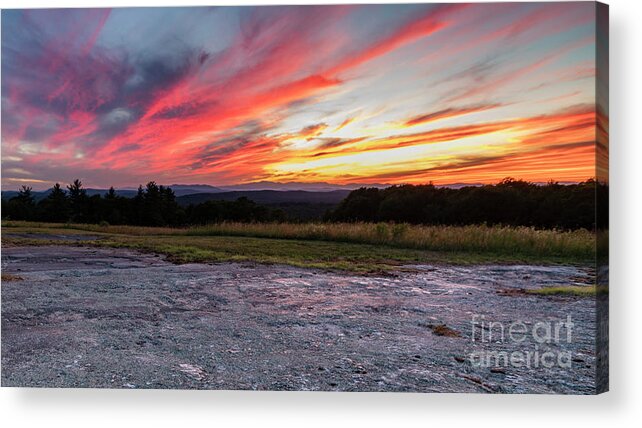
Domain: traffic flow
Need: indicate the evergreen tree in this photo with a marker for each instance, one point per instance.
(172, 212)
(22, 206)
(138, 211)
(55, 207)
(78, 200)
(153, 206)
(113, 207)
(25, 195)
(111, 194)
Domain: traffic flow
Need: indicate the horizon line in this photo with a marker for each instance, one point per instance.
(337, 186)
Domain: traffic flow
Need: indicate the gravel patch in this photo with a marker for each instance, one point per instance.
(113, 318)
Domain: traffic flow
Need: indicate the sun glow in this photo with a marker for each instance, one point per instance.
(301, 94)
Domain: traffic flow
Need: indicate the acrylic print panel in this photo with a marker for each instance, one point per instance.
(336, 198)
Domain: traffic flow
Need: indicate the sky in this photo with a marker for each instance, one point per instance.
(442, 93)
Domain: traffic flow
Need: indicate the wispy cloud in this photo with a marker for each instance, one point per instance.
(448, 113)
(339, 93)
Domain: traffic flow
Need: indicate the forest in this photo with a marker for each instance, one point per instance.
(510, 202)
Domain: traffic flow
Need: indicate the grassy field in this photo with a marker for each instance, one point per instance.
(359, 247)
(570, 290)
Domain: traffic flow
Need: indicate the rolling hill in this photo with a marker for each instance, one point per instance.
(267, 197)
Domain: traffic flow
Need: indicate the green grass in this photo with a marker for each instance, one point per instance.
(570, 290)
(360, 247)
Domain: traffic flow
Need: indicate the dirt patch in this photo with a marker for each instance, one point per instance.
(109, 318)
(52, 237)
(443, 330)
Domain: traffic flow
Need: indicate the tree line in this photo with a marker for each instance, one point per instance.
(510, 202)
(153, 205)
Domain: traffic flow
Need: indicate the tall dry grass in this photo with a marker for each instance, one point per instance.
(579, 244)
(495, 239)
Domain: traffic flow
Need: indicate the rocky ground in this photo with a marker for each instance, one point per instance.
(90, 317)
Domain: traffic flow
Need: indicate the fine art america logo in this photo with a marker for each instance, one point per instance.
(540, 344)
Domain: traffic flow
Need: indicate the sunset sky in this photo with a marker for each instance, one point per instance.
(459, 93)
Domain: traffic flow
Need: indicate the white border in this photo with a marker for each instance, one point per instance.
(51, 408)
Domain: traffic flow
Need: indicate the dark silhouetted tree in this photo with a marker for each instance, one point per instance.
(114, 207)
(510, 202)
(22, 206)
(153, 205)
(360, 205)
(55, 207)
(111, 194)
(172, 213)
(78, 202)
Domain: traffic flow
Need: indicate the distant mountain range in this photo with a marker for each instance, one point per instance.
(38, 195)
(297, 204)
(301, 201)
(186, 195)
(309, 187)
(262, 192)
(268, 197)
(265, 192)
(233, 192)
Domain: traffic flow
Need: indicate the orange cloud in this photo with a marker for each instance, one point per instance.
(296, 93)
